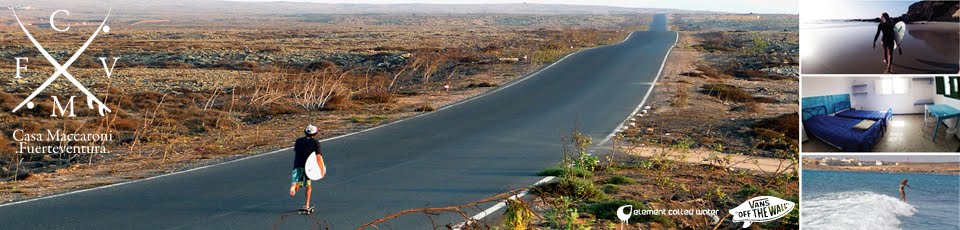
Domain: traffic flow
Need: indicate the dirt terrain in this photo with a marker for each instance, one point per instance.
(902, 167)
(730, 85)
(186, 95)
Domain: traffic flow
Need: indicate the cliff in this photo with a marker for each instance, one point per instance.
(947, 11)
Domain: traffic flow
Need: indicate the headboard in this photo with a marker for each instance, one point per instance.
(840, 106)
(813, 111)
(831, 103)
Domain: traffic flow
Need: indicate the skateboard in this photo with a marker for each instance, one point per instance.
(305, 211)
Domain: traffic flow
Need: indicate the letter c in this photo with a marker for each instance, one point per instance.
(20, 131)
(54, 26)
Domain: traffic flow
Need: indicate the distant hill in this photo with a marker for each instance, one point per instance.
(281, 8)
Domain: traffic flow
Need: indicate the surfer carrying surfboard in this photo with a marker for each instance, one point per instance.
(889, 41)
(303, 148)
(903, 195)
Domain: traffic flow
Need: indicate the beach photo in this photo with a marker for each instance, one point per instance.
(880, 114)
(880, 37)
(880, 192)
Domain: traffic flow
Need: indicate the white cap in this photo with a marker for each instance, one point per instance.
(310, 130)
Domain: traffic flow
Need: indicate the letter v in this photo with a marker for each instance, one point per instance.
(104, 61)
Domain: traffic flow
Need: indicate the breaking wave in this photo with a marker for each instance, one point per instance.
(854, 210)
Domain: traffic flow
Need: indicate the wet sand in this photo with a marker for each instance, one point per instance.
(845, 48)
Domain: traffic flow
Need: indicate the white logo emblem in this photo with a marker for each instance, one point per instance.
(624, 216)
(62, 69)
(761, 209)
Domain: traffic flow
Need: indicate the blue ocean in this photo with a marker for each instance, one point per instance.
(871, 200)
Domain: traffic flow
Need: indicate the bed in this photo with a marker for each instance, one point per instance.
(880, 117)
(839, 131)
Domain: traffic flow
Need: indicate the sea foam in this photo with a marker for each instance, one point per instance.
(854, 210)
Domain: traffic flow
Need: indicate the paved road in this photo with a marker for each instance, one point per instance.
(462, 153)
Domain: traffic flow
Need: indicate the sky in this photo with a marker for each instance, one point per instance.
(736, 6)
(851, 9)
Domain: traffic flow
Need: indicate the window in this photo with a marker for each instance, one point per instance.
(892, 86)
(948, 86)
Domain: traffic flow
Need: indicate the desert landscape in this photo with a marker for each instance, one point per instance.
(186, 95)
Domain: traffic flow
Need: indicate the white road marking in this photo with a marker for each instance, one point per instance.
(500, 205)
(652, 84)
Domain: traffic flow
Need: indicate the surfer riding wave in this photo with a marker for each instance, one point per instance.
(854, 210)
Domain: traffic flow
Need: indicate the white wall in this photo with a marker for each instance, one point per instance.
(821, 86)
(901, 103)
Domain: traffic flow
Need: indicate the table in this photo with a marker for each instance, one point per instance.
(942, 112)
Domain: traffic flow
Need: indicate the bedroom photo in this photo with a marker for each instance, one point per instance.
(880, 114)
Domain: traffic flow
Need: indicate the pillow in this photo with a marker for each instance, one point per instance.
(864, 124)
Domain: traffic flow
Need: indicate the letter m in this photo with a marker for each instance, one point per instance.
(56, 105)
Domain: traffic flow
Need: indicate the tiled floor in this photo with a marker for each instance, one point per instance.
(903, 135)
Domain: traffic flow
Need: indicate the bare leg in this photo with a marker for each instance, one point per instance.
(293, 189)
(887, 58)
(903, 196)
(309, 190)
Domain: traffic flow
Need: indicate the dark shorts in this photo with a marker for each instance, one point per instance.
(299, 177)
(887, 44)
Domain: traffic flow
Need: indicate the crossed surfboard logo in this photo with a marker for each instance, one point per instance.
(61, 69)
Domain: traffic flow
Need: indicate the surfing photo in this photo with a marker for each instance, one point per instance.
(880, 192)
(880, 37)
(884, 113)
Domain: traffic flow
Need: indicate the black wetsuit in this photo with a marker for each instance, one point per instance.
(886, 28)
(303, 148)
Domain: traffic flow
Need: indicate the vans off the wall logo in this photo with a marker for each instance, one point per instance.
(62, 70)
(57, 141)
(761, 209)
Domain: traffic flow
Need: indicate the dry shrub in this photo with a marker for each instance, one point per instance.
(760, 99)
(711, 72)
(125, 124)
(425, 108)
(681, 98)
(788, 124)
(7, 148)
(322, 65)
(716, 41)
(755, 75)
(280, 109)
(374, 98)
(756, 108)
(727, 92)
(342, 102)
(247, 65)
(481, 85)
(8, 101)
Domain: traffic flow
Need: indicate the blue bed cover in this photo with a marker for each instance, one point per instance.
(839, 132)
(878, 116)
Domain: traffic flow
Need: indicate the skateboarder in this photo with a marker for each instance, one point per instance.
(302, 149)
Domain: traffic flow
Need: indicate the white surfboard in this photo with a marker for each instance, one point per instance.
(900, 29)
(314, 167)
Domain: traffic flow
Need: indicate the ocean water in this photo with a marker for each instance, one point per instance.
(871, 200)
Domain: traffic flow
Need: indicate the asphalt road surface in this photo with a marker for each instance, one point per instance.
(461, 153)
